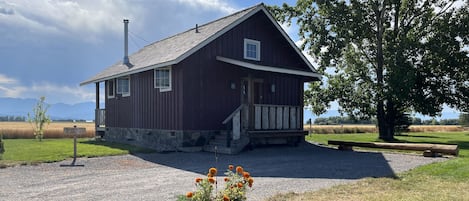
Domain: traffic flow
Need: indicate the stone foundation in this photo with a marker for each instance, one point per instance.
(159, 140)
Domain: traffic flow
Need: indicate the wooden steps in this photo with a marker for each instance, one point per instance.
(219, 144)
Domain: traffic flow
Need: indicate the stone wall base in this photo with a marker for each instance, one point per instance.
(159, 140)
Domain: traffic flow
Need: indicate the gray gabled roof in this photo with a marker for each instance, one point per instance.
(174, 49)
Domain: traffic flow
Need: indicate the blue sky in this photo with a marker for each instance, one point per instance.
(48, 47)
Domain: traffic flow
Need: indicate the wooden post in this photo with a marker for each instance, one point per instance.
(74, 131)
(96, 111)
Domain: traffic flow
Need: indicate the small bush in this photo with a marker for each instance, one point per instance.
(236, 183)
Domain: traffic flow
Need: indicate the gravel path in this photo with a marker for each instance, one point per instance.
(163, 176)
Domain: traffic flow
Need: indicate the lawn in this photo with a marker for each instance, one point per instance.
(30, 151)
(438, 181)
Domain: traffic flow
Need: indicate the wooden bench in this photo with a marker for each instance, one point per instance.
(430, 150)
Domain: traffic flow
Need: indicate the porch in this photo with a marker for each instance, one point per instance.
(259, 124)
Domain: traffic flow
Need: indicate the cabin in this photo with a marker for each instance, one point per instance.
(222, 86)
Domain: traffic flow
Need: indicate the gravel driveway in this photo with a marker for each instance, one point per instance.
(163, 176)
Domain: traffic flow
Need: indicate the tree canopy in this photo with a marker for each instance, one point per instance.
(384, 58)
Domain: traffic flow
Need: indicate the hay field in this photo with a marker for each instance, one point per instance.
(23, 130)
(337, 129)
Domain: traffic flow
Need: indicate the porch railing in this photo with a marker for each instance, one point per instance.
(234, 123)
(263, 117)
(100, 117)
(277, 117)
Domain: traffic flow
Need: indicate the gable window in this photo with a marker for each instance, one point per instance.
(123, 86)
(163, 79)
(111, 89)
(252, 49)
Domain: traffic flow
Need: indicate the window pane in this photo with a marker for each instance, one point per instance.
(111, 87)
(251, 50)
(123, 85)
(162, 78)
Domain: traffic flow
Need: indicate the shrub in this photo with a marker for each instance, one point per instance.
(236, 183)
(39, 119)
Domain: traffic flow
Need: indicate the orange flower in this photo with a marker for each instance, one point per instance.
(239, 170)
(240, 185)
(210, 175)
(213, 171)
(189, 194)
(231, 167)
(226, 179)
(226, 198)
(250, 181)
(211, 180)
(197, 180)
(250, 185)
(246, 175)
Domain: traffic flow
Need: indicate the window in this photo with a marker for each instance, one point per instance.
(252, 49)
(123, 86)
(111, 89)
(163, 79)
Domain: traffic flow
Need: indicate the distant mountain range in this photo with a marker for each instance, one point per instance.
(85, 111)
(59, 111)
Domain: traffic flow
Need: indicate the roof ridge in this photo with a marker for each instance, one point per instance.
(213, 21)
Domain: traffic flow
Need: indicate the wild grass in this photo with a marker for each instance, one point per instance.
(347, 129)
(23, 130)
(447, 180)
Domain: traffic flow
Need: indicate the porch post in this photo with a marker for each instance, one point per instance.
(250, 102)
(96, 111)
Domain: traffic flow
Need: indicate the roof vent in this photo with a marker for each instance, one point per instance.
(126, 43)
(196, 28)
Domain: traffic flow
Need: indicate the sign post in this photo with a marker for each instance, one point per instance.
(74, 131)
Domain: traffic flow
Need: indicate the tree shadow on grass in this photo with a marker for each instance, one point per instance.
(304, 161)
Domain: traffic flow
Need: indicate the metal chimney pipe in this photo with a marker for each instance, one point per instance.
(126, 42)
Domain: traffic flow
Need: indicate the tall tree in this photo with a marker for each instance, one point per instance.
(384, 58)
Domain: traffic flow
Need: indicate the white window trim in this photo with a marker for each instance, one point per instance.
(258, 49)
(123, 94)
(163, 89)
(113, 88)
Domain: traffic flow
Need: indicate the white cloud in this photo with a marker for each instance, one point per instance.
(84, 19)
(61, 94)
(9, 87)
(7, 80)
(55, 93)
(210, 4)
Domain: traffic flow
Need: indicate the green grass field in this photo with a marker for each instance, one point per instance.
(30, 151)
(438, 181)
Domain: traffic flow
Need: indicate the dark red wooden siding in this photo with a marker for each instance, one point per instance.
(147, 107)
(275, 49)
(208, 98)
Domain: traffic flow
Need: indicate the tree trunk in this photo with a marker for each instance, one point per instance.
(385, 132)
